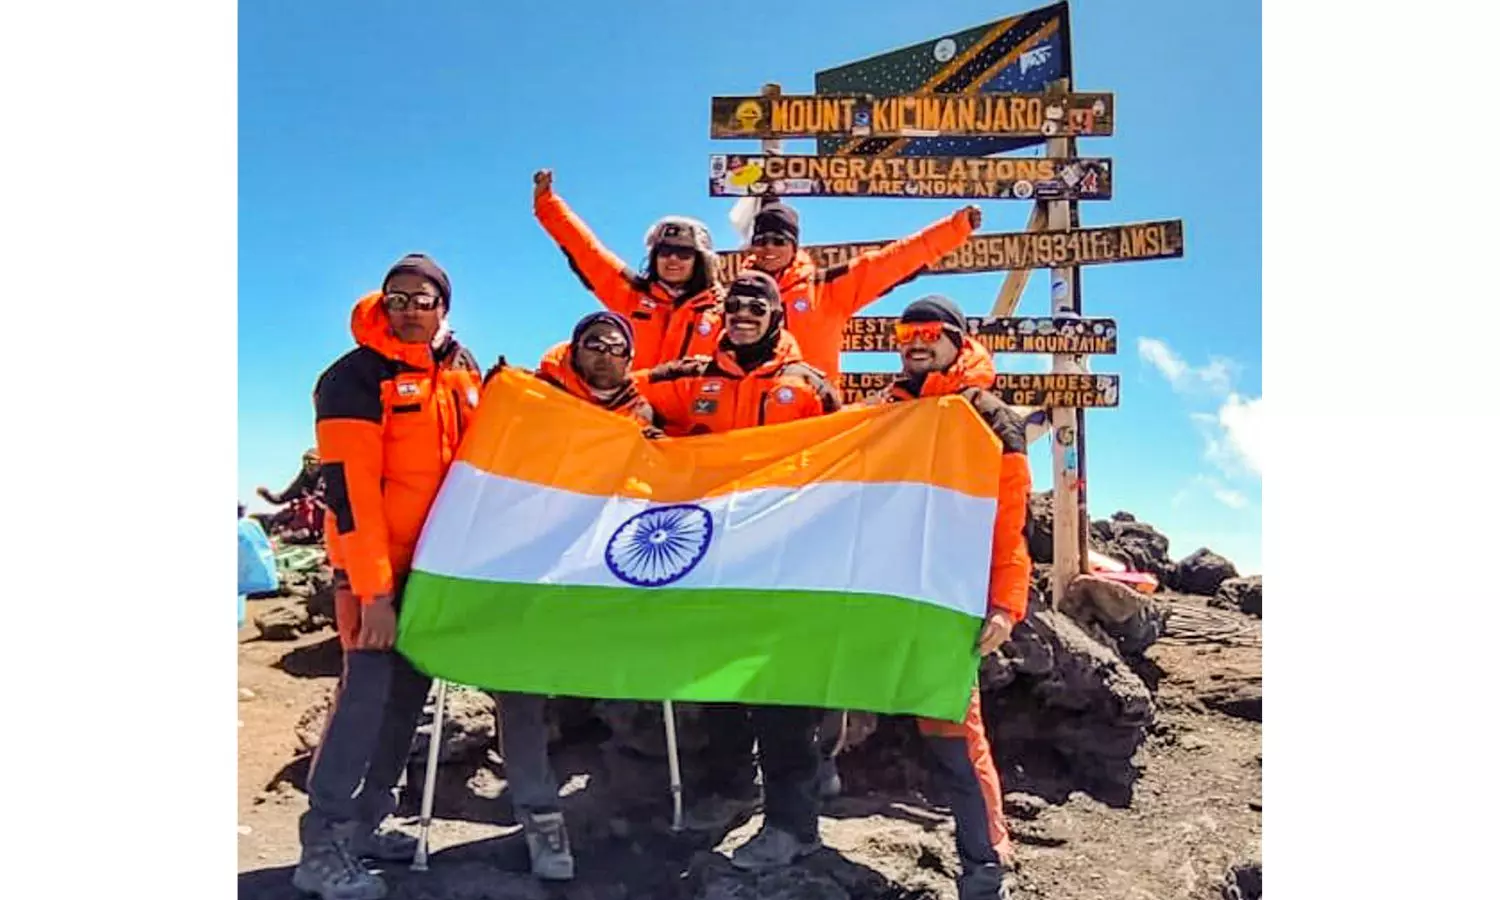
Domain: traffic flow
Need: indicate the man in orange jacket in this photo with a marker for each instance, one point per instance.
(390, 414)
(672, 303)
(595, 364)
(937, 358)
(820, 302)
(755, 377)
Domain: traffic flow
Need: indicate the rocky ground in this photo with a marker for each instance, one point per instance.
(1128, 733)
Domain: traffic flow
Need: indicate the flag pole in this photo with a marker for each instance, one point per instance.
(429, 784)
(674, 768)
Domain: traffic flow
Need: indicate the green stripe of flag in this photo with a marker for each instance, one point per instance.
(811, 648)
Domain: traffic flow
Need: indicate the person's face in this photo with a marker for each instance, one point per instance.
(674, 264)
(925, 347)
(415, 308)
(603, 356)
(746, 319)
(772, 252)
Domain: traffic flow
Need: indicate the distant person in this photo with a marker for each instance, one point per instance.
(304, 515)
(820, 302)
(755, 377)
(390, 415)
(939, 358)
(672, 302)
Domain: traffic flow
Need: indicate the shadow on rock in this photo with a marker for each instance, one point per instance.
(324, 659)
(267, 884)
(826, 875)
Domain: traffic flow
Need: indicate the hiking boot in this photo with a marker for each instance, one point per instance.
(332, 872)
(386, 845)
(986, 883)
(547, 842)
(772, 848)
(717, 812)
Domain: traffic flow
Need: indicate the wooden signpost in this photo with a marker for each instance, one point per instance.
(1045, 390)
(967, 177)
(912, 115)
(1010, 335)
(877, 121)
(1008, 251)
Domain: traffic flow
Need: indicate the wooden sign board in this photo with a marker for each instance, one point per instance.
(1011, 335)
(965, 177)
(1045, 390)
(1025, 52)
(1003, 251)
(913, 115)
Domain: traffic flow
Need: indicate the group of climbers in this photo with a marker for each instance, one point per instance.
(681, 355)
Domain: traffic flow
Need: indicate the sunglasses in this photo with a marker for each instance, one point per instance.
(597, 345)
(926, 332)
(756, 307)
(672, 251)
(396, 301)
(773, 240)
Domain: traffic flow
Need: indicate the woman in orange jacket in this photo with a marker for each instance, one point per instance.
(672, 303)
(939, 358)
(820, 302)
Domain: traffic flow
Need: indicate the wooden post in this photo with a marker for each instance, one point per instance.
(1015, 280)
(1067, 562)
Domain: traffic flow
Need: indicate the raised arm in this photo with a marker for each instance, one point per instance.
(602, 272)
(856, 284)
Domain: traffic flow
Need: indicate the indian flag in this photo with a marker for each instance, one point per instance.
(839, 562)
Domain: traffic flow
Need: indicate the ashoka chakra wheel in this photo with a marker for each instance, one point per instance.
(660, 545)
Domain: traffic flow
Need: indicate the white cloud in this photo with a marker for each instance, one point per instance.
(1236, 435)
(1216, 377)
(1214, 488)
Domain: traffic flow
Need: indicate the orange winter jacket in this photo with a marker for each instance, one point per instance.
(820, 302)
(389, 417)
(665, 328)
(712, 394)
(973, 376)
(557, 370)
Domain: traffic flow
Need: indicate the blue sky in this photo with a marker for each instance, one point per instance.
(370, 129)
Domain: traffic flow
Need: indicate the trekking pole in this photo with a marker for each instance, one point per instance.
(674, 770)
(429, 784)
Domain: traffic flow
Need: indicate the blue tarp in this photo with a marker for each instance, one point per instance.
(257, 562)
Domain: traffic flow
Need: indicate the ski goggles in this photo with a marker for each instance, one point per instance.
(926, 332)
(610, 348)
(754, 306)
(397, 301)
(675, 251)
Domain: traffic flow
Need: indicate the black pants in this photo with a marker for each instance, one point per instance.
(789, 766)
(365, 745)
(980, 869)
(729, 765)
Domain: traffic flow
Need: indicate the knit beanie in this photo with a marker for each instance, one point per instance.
(777, 218)
(937, 308)
(613, 318)
(423, 265)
